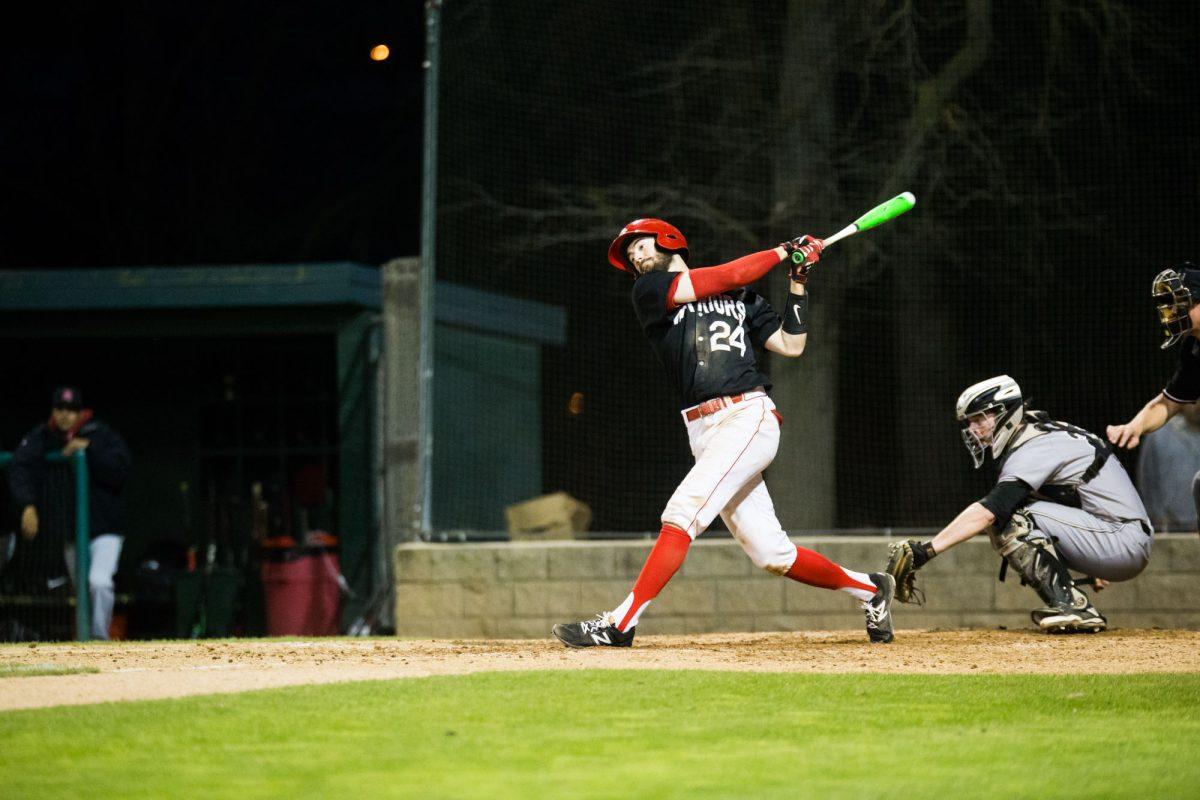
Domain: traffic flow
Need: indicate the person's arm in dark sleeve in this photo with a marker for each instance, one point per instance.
(996, 509)
(25, 470)
(108, 458)
(1005, 498)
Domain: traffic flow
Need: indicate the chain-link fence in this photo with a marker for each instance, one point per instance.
(1049, 146)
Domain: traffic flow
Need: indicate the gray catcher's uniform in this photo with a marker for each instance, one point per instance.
(1095, 518)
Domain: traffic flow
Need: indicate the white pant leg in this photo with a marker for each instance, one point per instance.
(750, 517)
(104, 553)
(732, 448)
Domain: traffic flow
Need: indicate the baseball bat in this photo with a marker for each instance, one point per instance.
(875, 217)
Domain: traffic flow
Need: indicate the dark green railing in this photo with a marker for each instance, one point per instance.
(83, 615)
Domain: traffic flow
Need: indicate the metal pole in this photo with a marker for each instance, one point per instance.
(83, 615)
(433, 14)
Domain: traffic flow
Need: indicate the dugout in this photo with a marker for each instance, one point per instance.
(222, 377)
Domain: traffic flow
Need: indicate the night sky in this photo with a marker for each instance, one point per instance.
(162, 133)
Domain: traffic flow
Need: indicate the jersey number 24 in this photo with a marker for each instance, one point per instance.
(721, 338)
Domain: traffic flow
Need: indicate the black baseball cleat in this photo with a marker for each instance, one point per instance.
(879, 608)
(596, 632)
(1069, 620)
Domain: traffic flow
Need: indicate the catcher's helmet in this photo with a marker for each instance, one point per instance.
(1175, 291)
(1001, 395)
(666, 237)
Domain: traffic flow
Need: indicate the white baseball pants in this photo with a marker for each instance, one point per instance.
(732, 448)
(104, 552)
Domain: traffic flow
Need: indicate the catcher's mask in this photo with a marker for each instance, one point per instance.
(666, 237)
(999, 395)
(1175, 291)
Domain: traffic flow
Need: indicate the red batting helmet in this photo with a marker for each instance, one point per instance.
(666, 236)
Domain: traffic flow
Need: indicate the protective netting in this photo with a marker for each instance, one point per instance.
(1049, 147)
(36, 593)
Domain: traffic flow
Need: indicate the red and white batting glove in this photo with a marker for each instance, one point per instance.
(810, 247)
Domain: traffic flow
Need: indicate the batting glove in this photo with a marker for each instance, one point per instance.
(810, 248)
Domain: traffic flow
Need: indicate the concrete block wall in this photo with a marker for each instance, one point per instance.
(520, 590)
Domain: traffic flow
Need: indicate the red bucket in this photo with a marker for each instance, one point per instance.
(300, 586)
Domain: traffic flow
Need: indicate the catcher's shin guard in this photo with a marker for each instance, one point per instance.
(1031, 553)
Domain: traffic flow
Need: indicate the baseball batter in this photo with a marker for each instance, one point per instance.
(1176, 294)
(1060, 502)
(704, 326)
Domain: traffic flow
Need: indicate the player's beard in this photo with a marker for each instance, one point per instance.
(659, 263)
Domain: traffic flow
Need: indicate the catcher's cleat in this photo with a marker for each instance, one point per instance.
(1073, 620)
(598, 632)
(879, 608)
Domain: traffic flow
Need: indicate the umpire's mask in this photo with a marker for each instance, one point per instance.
(1175, 291)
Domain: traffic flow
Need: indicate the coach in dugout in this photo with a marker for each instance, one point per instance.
(1176, 295)
(70, 429)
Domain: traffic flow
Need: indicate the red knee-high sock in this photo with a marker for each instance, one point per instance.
(663, 562)
(816, 570)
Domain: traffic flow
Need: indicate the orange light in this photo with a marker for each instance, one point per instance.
(380, 52)
(575, 404)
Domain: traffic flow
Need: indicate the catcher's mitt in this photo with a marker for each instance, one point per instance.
(902, 565)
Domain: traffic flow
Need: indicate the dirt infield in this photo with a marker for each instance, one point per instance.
(149, 670)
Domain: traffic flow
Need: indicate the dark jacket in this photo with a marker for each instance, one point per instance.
(108, 462)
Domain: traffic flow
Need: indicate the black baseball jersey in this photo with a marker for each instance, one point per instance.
(707, 346)
(1184, 386)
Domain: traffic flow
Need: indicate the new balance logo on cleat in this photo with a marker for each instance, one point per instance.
(596, 632)
(879, 608)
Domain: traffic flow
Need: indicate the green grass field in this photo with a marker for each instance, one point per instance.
(643, 734)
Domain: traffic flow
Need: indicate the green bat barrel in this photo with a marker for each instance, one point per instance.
(886, 211)
(876, 216)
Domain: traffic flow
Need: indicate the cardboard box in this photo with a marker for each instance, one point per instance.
(551, 516)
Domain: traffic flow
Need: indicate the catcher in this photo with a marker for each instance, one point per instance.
(1061, 502)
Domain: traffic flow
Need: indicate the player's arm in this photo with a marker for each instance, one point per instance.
(25, 471)
(23, 476)
(995, 509)
(905, 558)
(696, 284)
(970, 522)
(1152, 417)
(792, 335)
